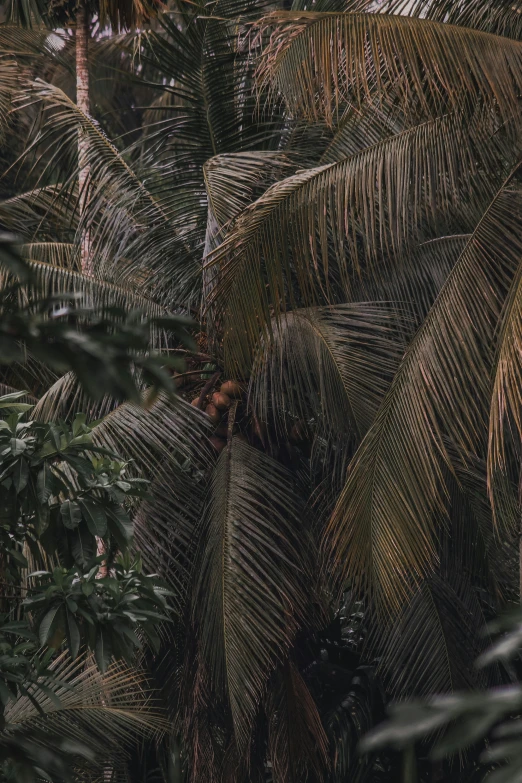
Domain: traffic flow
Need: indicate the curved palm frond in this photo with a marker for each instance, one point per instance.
(54, 281)
(381, 534)
(505, 422)
(65, 398)
(63, 255)
(168, 526)
(320, 62)
(307, 238)
(297, 742)
(503, 19)
(105, 713)
(31, 375)
(430, 646)
(131, 235)
(332, 363)
(43, 212)
(155, 439)
(252, 585)
(232, 179)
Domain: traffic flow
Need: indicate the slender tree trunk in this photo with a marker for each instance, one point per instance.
(83, 103)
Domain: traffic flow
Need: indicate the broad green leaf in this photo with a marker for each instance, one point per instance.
(46, 624)
(71, 514)
(20, 475)
(95, 516)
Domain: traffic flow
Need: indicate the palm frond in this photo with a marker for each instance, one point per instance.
(105, 713)
(297, 742)
(251, 590)
(310, 236)
(43, 212)
(31, 375)
(431, 646)
(165, 435)
(503, 19)
(65, 398)
(381, 534)
(131, 235)
(62, 255)
(167, 527)
(321, 62)
(330, 363)
(232, 180)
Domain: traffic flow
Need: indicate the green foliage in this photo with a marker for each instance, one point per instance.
(333, 190)
(467, 718)
(108, 614)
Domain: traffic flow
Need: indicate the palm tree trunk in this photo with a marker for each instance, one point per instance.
(83, 103)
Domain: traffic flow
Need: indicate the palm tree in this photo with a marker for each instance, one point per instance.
(119, 15)
(335, 195)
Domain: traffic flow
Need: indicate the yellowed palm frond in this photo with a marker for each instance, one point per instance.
(320, 62)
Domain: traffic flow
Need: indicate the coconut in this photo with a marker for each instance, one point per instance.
(231, 389)
(213, 413)
(195, 400)
(221, 401)
(218, 443)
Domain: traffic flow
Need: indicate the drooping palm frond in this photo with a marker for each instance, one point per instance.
(65, 398)
(431, 647)
(232, 179)
(156, 438)
(297, 742)
(43, 212)
(503, 19)
(251, 590)
(31, 375)
(63, 255)
(322, 62)
(167, 527)
(331, 363)
(505, 422)
(54, 280)
(130, 232)
(381, 534)
(310, 235)
(363, 127)
(105, 713)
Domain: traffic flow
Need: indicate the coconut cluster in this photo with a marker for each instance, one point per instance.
(219, 404)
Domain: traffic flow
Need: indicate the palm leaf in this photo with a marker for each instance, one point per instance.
(381, 534)
(333, 363)
(251, 589)
(428, 648)
(297, 742)
(167, 527)
(64, 398)
(105, 713)
(307, 238)
(498, 18)
(157, 438)
(130, 231)
(320, 62)
(505, 421)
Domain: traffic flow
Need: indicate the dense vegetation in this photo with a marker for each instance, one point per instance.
(331, 192)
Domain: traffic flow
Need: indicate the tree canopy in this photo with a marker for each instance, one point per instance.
(266, 310)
